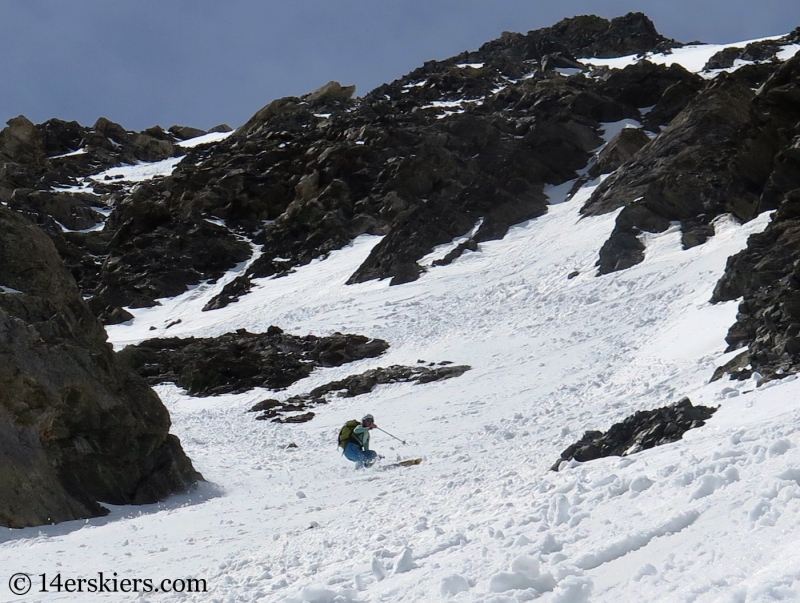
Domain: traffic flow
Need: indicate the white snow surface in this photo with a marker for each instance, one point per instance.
(204, 139)
(713, 517)
(692, 57)
(142, 171)
(129, 173)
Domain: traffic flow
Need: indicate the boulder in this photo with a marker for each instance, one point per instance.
(755, 51)
(332, 92)
(111, 130)
(79, 428)
(281, 107)
(147, 147)
(59, 137)
(640, 431)
(710, 160)
(21, 142)
(186, 132)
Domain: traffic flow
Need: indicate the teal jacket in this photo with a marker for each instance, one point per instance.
(361, 437)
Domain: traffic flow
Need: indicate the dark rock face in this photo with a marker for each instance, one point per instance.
(352, 386)
(238, 362)
(642, 430)
(717, 156)
(78, 428)
(620, 149)
(755, 51)
(154, 253)
(585, 36)
(767, 273)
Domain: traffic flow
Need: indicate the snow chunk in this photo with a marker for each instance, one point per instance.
(711, 483)
(378, 570)
(404, 562)
(573, 589)
(454, 584)
(791, 475)
(525, 573)
(640, 484)
(316, 594)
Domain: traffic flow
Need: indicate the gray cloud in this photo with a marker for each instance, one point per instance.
(203, 62)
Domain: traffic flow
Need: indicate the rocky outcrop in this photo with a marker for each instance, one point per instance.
(240, 361)
(715, 157)
(154, 253)
(584, 36)
(755, 51)
(37, 162)
(78, 428)
(307, 182)
(766, 275)
(619, 150)
(351, 386)
(642, 430)
(58, 153)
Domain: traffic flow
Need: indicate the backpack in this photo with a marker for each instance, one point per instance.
(346, 432)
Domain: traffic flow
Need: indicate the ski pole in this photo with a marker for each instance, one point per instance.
(389, 434)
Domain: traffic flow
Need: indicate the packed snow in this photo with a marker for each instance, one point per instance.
(284, 517)
(692, 57)
(209, 138)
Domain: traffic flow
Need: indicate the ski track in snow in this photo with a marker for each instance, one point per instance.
(713, 517)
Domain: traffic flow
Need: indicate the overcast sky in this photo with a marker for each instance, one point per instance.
(205, 62)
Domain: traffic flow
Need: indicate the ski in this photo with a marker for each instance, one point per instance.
(407, 463)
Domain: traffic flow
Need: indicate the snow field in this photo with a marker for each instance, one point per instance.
(712, 517)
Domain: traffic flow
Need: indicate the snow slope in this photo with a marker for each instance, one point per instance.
(714, 517)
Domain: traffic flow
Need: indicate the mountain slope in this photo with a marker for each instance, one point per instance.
(551, 356)
(484, 224)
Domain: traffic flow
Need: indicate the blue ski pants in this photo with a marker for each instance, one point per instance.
(362, 458)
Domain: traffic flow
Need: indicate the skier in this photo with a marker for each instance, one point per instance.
(357, 448)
